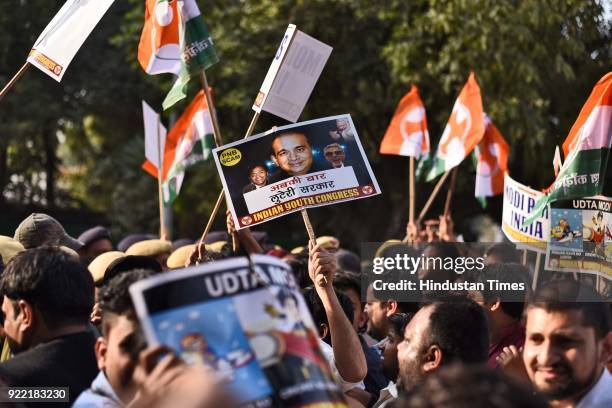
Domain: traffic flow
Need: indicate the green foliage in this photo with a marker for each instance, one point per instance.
(536, 61)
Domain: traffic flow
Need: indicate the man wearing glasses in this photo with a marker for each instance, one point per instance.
(334, 154)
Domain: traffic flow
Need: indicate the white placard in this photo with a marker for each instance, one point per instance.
(296, 67)
(153, 129)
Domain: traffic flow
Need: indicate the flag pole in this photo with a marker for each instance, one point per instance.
(536, 273)
(524, 257)
(411, 216)
(162, 224)
(449, 193)
(14, 79)
(432, 196)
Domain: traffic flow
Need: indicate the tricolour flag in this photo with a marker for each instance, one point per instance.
(407, 133)
(190, 141)
(61, 39)
(463, 131)
(491, 156)
(175, 40)
(587, 150)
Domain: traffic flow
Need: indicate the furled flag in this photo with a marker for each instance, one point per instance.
(190, 141)
(407, 133)
(463, 131)
(155, 136)
(61, 39)
(557, 161)
(491, 157)
(175, 40)
(586, 149)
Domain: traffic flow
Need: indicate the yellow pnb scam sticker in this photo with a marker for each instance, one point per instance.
(230, 157)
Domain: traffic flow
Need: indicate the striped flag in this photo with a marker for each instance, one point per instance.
(175, 40)
(463, 131)
(190, 141)
(491, 156)
(407, 133)
(586, 149)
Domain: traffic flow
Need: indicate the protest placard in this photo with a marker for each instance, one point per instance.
(292, 75)
(581, 236)
(519, 200)
(248, 323)
(290, 168)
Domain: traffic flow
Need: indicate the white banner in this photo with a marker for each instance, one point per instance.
(519, 201)
(154, 131)
(61, 39)
(296, 67)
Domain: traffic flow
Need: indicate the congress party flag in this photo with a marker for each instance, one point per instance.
(587, 150)
(407, 133)
(190, 141)
(491, 156)
(175, 39)
(463, 131)
(65, 34)
(155, 136)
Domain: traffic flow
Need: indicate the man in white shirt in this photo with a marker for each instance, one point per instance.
(568, 344)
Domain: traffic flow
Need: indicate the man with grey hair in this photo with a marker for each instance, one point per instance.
(334, 154)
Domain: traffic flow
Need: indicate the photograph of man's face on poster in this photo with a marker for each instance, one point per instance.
(308, 164)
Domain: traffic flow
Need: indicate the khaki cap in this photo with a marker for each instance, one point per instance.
(42, 229)
(150, 247)
(178, 258)
(98, 266)
(9, 248)
(328, 242)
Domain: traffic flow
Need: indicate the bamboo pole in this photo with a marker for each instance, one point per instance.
(14, 79)
(432, 196)
(536, 273)
(449, 193)
(411, 194)
(162, 223)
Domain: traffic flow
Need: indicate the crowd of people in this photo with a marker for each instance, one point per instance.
(68, 320)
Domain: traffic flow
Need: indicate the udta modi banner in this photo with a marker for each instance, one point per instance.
(519, 201)
(289, 168)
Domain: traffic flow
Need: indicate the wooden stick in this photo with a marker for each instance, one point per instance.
(411, 194)
(449, 193)
(309, 229)
(213, 214)
(162, 223)
(432, 196)
(14, 79)
(536, 273)
(524, 257)
(212, 218)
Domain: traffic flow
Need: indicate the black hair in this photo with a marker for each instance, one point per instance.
(506, 252)
(461, 386)
(399, 321)
(253, 167)
(511, 303)
(52, 281)
(458, 325)
(114, 297)
(344, 281)
(561, 296)
(317, 310)
(287, 132)
(299, 268)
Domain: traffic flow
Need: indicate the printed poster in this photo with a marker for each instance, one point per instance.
(245, 321)
(290, 168)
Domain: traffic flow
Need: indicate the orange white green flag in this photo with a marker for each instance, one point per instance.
(407, 133)
(463, 131)
(175, 40)
(190, 141)
(586, 149)
(491, 156)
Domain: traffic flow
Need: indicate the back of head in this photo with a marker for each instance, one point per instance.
(458, 325)
(502, 252)
(115, 299)
(42, 229)
(52, 281)
(317, 310)
(566, 295)
(461, 386)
